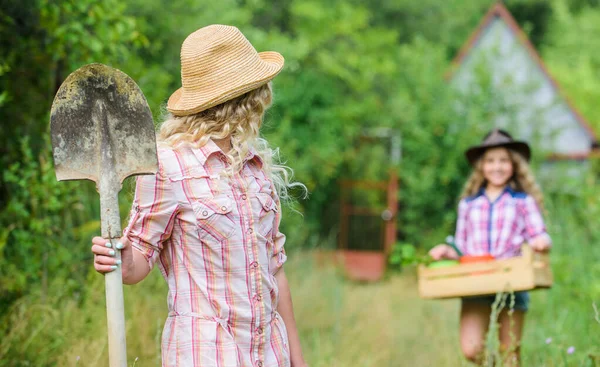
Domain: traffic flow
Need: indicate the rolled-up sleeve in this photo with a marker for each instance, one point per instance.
(278, 258)
(534, 222)
(152, 215)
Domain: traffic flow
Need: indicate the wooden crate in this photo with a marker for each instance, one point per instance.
(527, 272)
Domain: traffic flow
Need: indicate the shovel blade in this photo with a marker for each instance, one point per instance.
(101, 126)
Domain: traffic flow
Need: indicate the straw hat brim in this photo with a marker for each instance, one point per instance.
(183, 103)
(474, 153)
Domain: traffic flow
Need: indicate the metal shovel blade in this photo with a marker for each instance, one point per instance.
(102, 130)
(99, 110)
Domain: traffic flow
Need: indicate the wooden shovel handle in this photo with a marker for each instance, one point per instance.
(117, 347)
(111, 230)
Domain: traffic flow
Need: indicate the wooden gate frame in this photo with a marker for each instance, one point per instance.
(371, 265)
(388, 215)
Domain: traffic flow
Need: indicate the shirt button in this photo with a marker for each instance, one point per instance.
(259, 330)
(250, 230)
(259, 364)
(254, 264)
(244, 197)
(204, 213)
(258, 298)
(223, 208)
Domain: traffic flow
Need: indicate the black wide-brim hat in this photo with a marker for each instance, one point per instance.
(495, 139)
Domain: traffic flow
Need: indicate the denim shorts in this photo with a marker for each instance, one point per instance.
(521, 300)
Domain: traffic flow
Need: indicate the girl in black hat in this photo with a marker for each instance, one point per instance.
(500, 209)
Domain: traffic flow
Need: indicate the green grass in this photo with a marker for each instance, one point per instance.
(341, 323)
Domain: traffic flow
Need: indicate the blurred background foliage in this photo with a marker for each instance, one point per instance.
(350, 65)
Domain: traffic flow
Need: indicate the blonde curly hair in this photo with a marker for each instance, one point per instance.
(239, 119)
(522, 179)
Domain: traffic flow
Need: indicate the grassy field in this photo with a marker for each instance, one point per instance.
(341, 323)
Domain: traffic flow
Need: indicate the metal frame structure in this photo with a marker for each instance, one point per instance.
(370, 265)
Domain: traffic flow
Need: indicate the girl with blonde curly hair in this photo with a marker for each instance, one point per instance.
(500, 210)
(209, 219)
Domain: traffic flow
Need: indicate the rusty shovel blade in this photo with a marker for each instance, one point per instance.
(102, 130)
(100, 121)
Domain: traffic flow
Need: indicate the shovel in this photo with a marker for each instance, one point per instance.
(102, 130)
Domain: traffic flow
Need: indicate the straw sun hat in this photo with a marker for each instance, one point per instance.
(218, 64)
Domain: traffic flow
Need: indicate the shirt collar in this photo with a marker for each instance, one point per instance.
(507, 189)
(253, 156)
(479, 193)
(206, 151)
(210, 148)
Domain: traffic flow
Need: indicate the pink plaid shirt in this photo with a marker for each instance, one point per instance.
(217, 244)
(500, 227)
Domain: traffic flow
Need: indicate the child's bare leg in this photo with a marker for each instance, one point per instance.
(474, 321)
(511, 330)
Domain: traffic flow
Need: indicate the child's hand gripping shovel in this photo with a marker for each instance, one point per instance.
(102, 130)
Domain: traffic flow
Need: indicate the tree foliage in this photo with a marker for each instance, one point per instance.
(350, 65)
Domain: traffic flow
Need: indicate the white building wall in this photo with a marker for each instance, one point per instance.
(540, 115)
